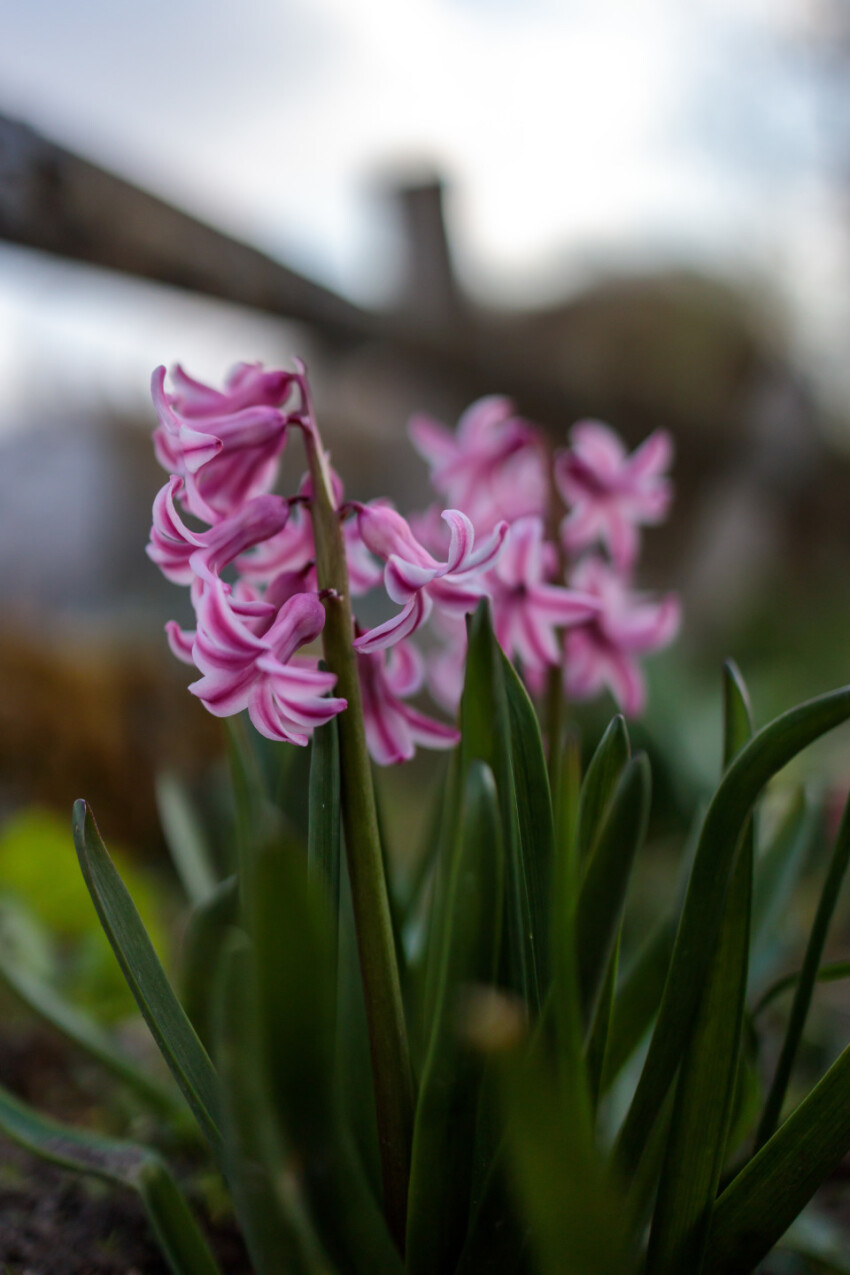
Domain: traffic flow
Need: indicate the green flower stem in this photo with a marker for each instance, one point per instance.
(387, 1032)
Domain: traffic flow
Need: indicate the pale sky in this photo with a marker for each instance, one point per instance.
(572, 133)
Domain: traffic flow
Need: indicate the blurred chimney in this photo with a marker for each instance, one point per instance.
(430, 288)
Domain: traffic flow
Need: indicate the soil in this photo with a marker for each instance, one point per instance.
(54, 1222)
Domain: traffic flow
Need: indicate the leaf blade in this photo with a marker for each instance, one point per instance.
(702, 1109)
(444, 1126)
(766, 753)
(760, 1204)
(175, 1036)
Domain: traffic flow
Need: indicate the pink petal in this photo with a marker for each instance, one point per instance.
(403, 579)
(181, 641)
(300, 620)
(598, 446)
(652, 457)
(387, 534)
(405, 669)
(427, 731)
(562, 607)
(400, 626)
(433, 441)
(462, 539)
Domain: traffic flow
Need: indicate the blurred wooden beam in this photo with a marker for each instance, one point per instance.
(55, 201)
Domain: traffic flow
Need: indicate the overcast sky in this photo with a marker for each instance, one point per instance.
(610, 132)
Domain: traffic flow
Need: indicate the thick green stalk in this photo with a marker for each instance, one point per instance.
(387, 1032)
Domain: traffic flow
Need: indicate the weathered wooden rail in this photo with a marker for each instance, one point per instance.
(54, 201)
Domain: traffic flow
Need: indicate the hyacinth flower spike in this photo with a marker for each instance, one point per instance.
(527, 611)
(610, 494)
(415, 579)
(604, 652)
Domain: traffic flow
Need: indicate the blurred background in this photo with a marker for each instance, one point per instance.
(633, 211)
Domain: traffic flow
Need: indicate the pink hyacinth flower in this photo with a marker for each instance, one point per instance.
(225, 454)
(246, 385)
(604, 651)
(184, 556)
(610, 494)
(527, 611)
(491, 468)
(291, 549)
(247, 666)
(415, 579)
(393, 728)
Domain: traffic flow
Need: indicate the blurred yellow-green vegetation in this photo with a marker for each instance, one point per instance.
(48, 922)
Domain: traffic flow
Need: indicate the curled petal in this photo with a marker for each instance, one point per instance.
(400, 626)
(386, 534)
(487, 553)
(269, 718)
(300, 620)
(181, 641)
(403, 579)
(405, 669)
(225, 693)
(462, 539)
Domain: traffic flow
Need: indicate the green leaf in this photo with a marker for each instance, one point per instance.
(705, 1092)
(642, 984)
(86, 1034)
(202, 943)
(444, 1127)
(324, 828)
(603, 890)
(294, 953)
(534, 805)
(806, 982)
(597, 790)
(704, 1096)
(760, 1204)
(777, 870)
(266, 1183)
(637, 999)
(597, 1041)
(124, 1163)
(185, 838)
(737, 713)
(566, 800)
(171, 1029)
(575, 1213)
(499, 727)
(765, 754)
(829, 972)
(250, 790)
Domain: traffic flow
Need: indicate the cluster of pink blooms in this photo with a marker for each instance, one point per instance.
(564, 603)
